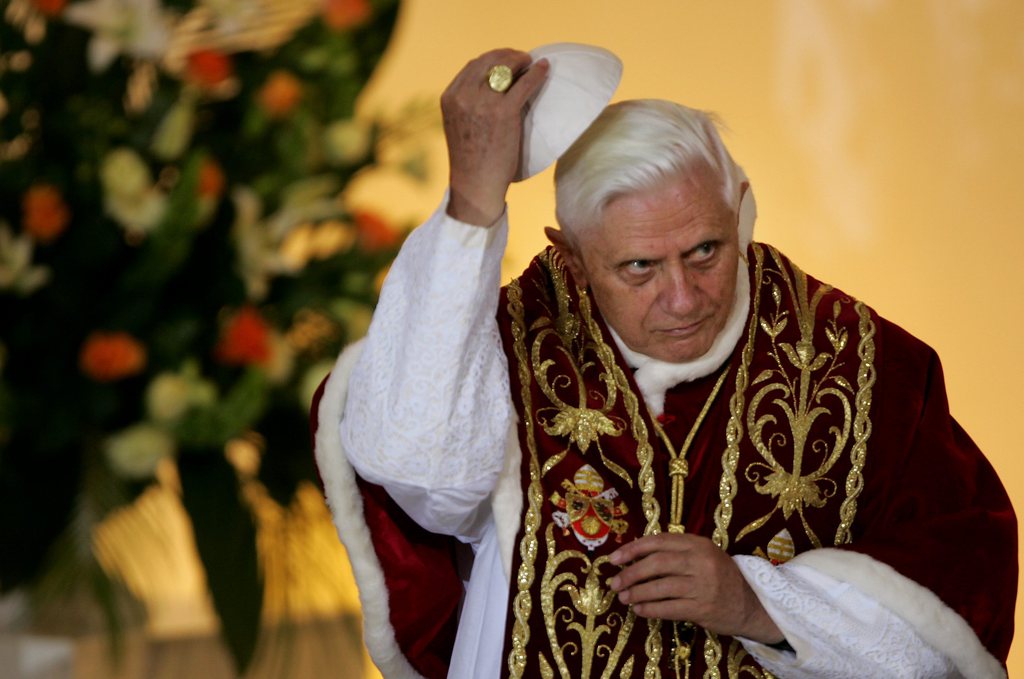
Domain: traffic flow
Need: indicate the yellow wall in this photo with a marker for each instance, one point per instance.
(884, 141)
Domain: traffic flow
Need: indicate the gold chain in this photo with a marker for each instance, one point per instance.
(678, 468)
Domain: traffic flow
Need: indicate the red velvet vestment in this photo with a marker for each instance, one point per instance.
(830, 429)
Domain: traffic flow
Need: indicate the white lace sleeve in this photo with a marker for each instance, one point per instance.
(428, 406)
(836, 631)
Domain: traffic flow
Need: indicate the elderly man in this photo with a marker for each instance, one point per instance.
(664, 449)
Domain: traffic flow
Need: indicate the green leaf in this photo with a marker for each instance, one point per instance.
(213, 426)
(225, 535)
(288, 456)
(171, 242)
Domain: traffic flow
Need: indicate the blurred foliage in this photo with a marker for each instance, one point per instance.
(178, 264)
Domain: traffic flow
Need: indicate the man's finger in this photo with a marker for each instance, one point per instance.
(663, 610)
(529, 82)
(659, 589)
(479, 69)
(657, 565)
(474, 73)
(648, 545)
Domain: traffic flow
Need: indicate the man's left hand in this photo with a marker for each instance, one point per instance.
(686, 577)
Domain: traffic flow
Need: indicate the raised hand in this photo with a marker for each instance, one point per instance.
(484, 131)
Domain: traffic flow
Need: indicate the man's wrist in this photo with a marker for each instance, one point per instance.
(761, 627)
(475, 211)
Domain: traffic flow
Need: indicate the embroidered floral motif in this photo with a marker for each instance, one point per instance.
(804, 386)
(571, 414)
(587, 625)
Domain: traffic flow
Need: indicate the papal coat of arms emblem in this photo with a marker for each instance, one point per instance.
(588, 509)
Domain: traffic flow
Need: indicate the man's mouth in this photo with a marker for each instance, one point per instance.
(683, 330)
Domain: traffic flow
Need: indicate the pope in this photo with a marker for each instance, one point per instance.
(663, 450)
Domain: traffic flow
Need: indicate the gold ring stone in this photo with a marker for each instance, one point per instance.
(499, 77)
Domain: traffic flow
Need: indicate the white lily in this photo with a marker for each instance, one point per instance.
(16, 270)
(140, 28)
(135, 452)
(170, 394)
(234, 15)
(129, 195)
(258, 257)
(348, 141)
(259, 239)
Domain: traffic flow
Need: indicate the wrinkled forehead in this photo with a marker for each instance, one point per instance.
(698, 183)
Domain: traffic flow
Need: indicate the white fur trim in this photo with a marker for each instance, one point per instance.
(346, 506)
(938, 624)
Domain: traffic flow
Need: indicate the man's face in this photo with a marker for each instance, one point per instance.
(662, 265)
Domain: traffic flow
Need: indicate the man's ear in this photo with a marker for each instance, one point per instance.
(746, 215)
(569, 253)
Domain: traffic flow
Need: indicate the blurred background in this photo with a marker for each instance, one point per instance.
(168, 259)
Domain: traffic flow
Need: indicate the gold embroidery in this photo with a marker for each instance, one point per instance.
(588, 601)
(644, 451)
(735, 668)
(581, 424)
(522, 603)
(652, 646)
(682, 650)
(591, 601)
(645, 456)
(796, 387)
(567, 324)
(545, 669)
(861, 424)
(727, 486)
(802, 399)
(712, 656)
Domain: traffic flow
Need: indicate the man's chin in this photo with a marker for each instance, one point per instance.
(681, 351)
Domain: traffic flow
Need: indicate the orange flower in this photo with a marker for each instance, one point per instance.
(44, 213)
(50, 8)
(374, 233)
(209, 68)
(280, 94)
(245, 339)
(341, 15)
(211, 179)
(109, 356)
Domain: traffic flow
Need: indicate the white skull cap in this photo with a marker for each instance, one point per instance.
(581, 81)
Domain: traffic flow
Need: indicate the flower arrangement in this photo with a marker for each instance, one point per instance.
(178, 263)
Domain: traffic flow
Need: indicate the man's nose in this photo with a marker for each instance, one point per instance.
(679, 294)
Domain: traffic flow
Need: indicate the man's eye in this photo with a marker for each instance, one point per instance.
(704, 250)
(639, 266)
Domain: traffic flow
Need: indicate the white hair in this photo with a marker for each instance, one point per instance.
(633, 146)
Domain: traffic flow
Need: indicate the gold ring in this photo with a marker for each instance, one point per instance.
(499, 77)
